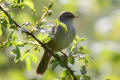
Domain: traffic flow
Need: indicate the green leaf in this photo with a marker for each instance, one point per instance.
(30, 4)
(18, 54)
(10, 20)
(71, 59)
(28, 63)
(64, 62)
(83, 39)
(21, 44)
(0, 30)
(57, 22)
(73, 48)
(25, 54)
(78, 77)
(33, 57)
(58, 56)
(47, 40)
(66, 75)
(36, 50)
(21, 6)
(0, 45)
(50, 5)
(14, 40)
(43, 37)
(13, 26)
(92, 58)
(86, 77)
(19, 1)
(54, 63)
(4, 23)
(83, 70)
(82, 48)
(64, 27)
(8, 44)
(85, 61)
(63, 75)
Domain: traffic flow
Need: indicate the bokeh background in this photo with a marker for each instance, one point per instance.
(99, 23)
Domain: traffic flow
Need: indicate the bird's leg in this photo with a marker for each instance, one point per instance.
(64, 54)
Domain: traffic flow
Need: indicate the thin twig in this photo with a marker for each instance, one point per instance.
(42, 44)
(64, 54)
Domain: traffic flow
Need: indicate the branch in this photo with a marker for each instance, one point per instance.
(64, 54)
(42, 44)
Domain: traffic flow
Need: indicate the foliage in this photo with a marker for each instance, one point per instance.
(29, 54)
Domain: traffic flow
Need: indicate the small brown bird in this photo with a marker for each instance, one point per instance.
(60, 41)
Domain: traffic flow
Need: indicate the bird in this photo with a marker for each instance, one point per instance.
(61, 40)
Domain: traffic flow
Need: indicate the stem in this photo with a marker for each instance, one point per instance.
(64, 54)
(42, 44)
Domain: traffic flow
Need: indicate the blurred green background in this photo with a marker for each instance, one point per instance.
(99, 22)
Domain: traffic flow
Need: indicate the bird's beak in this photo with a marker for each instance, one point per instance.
(76, 17)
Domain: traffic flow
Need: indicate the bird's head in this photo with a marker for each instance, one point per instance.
(66, 16)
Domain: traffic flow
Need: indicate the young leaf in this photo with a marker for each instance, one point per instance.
(86, 77)
(17, 52)
(12, 26)
(0, 45)
(44, 37)
(83, 70)
(82, 39)
(50, 5)
(28, 63)
(0, 30)
(63, 75)
(64, 62)
(82, 48)
(64, 27)
(57, 22)
(26, 53)
(85, 61)
(66, 75)
(10, 20)
(36, 50)
(4, 23)
(33, 57)
(78, 77)
(71, 59)
(20, 5)
(92, 58)
(9, 43)
(30, 4)
(54, 63)
(21, 43)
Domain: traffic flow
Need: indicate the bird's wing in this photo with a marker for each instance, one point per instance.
(53, 32)
(54, 29)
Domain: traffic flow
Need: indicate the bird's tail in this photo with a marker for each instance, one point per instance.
(42, 66)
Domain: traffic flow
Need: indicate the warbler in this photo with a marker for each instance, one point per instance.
(61, 40)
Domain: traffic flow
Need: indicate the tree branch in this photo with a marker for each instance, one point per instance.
(42, 44)
(64, 54)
